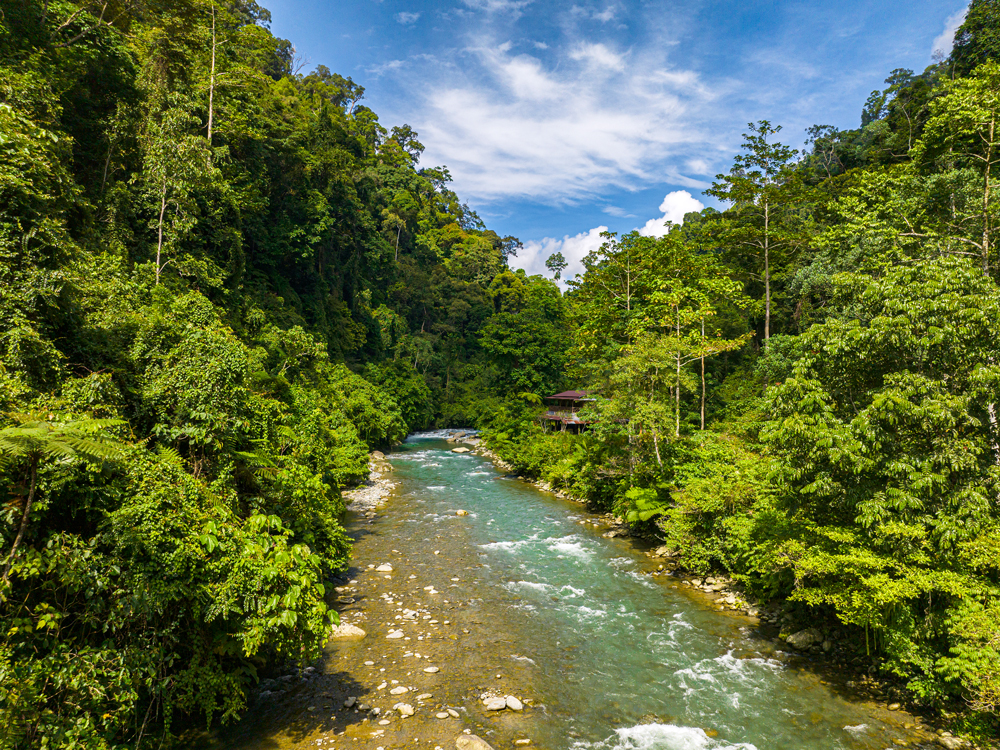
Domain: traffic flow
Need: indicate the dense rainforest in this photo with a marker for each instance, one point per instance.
(223, 282)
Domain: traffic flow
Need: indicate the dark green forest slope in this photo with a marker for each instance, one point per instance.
(223, 282)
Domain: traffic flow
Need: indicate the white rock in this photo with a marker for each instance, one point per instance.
(441, 715)
(393, 634)
(399, 690)
(471, 742)
(513, 703)
(452, 713)
(424, 696)
(460, 450)
(405, 709)
(346, 630)
(385, 568)
(461, 512)
(496, 704)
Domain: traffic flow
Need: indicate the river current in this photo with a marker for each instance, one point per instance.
(528, 597)
(623, 660)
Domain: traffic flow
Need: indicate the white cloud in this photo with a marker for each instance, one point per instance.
(617, 211)
(533, 255)
(498, 6)
(386, 67)
(598, 56)
(608, 14)
(508, 124)
(674, 206)
(407, 18)
(946, 39)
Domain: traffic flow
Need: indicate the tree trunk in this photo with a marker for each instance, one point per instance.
(677, 395)
(211, 90)
(702, 373)
(767, 273)
(159, 242)
(986, 202)
(24, 519)
(991, 410)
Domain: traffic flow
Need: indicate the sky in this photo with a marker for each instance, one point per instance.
(561, 119)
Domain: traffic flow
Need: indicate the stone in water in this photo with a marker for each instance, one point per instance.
(471, 742)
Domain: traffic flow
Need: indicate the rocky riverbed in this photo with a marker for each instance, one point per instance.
(465, 617)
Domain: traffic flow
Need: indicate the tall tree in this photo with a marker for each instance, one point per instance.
(760, 187)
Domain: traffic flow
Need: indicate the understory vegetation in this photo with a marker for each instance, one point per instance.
(223, 282)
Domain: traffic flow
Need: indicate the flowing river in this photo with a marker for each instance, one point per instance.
(524, 596)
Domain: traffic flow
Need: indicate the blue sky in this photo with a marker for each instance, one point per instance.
(558, 119)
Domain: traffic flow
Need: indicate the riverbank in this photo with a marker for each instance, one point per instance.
(525, 596)
(825, 646)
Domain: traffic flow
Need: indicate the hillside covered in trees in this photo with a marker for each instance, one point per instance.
(223, 282)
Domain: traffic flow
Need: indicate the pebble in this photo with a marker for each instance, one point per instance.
(399, 690)
(431, 670)
(461, 512)
(496, 704)
(393, 634)
(441, 715)
(525, 741)
(513, 703)
(452, 713)
(351, 700)
(405, 709)
(386, 568)
(383, 722)
(369, 664)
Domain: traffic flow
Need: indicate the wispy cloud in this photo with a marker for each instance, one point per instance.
(946, 39)
(386, 67)
(564, 128)
(407, 18)
(498, 6)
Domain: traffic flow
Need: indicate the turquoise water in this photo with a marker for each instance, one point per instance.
(618, 660)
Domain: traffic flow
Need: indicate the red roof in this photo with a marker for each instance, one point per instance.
(570, 396)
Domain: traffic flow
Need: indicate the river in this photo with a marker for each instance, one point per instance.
(523, 596)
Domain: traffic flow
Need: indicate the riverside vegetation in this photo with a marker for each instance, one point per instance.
(223, 282)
